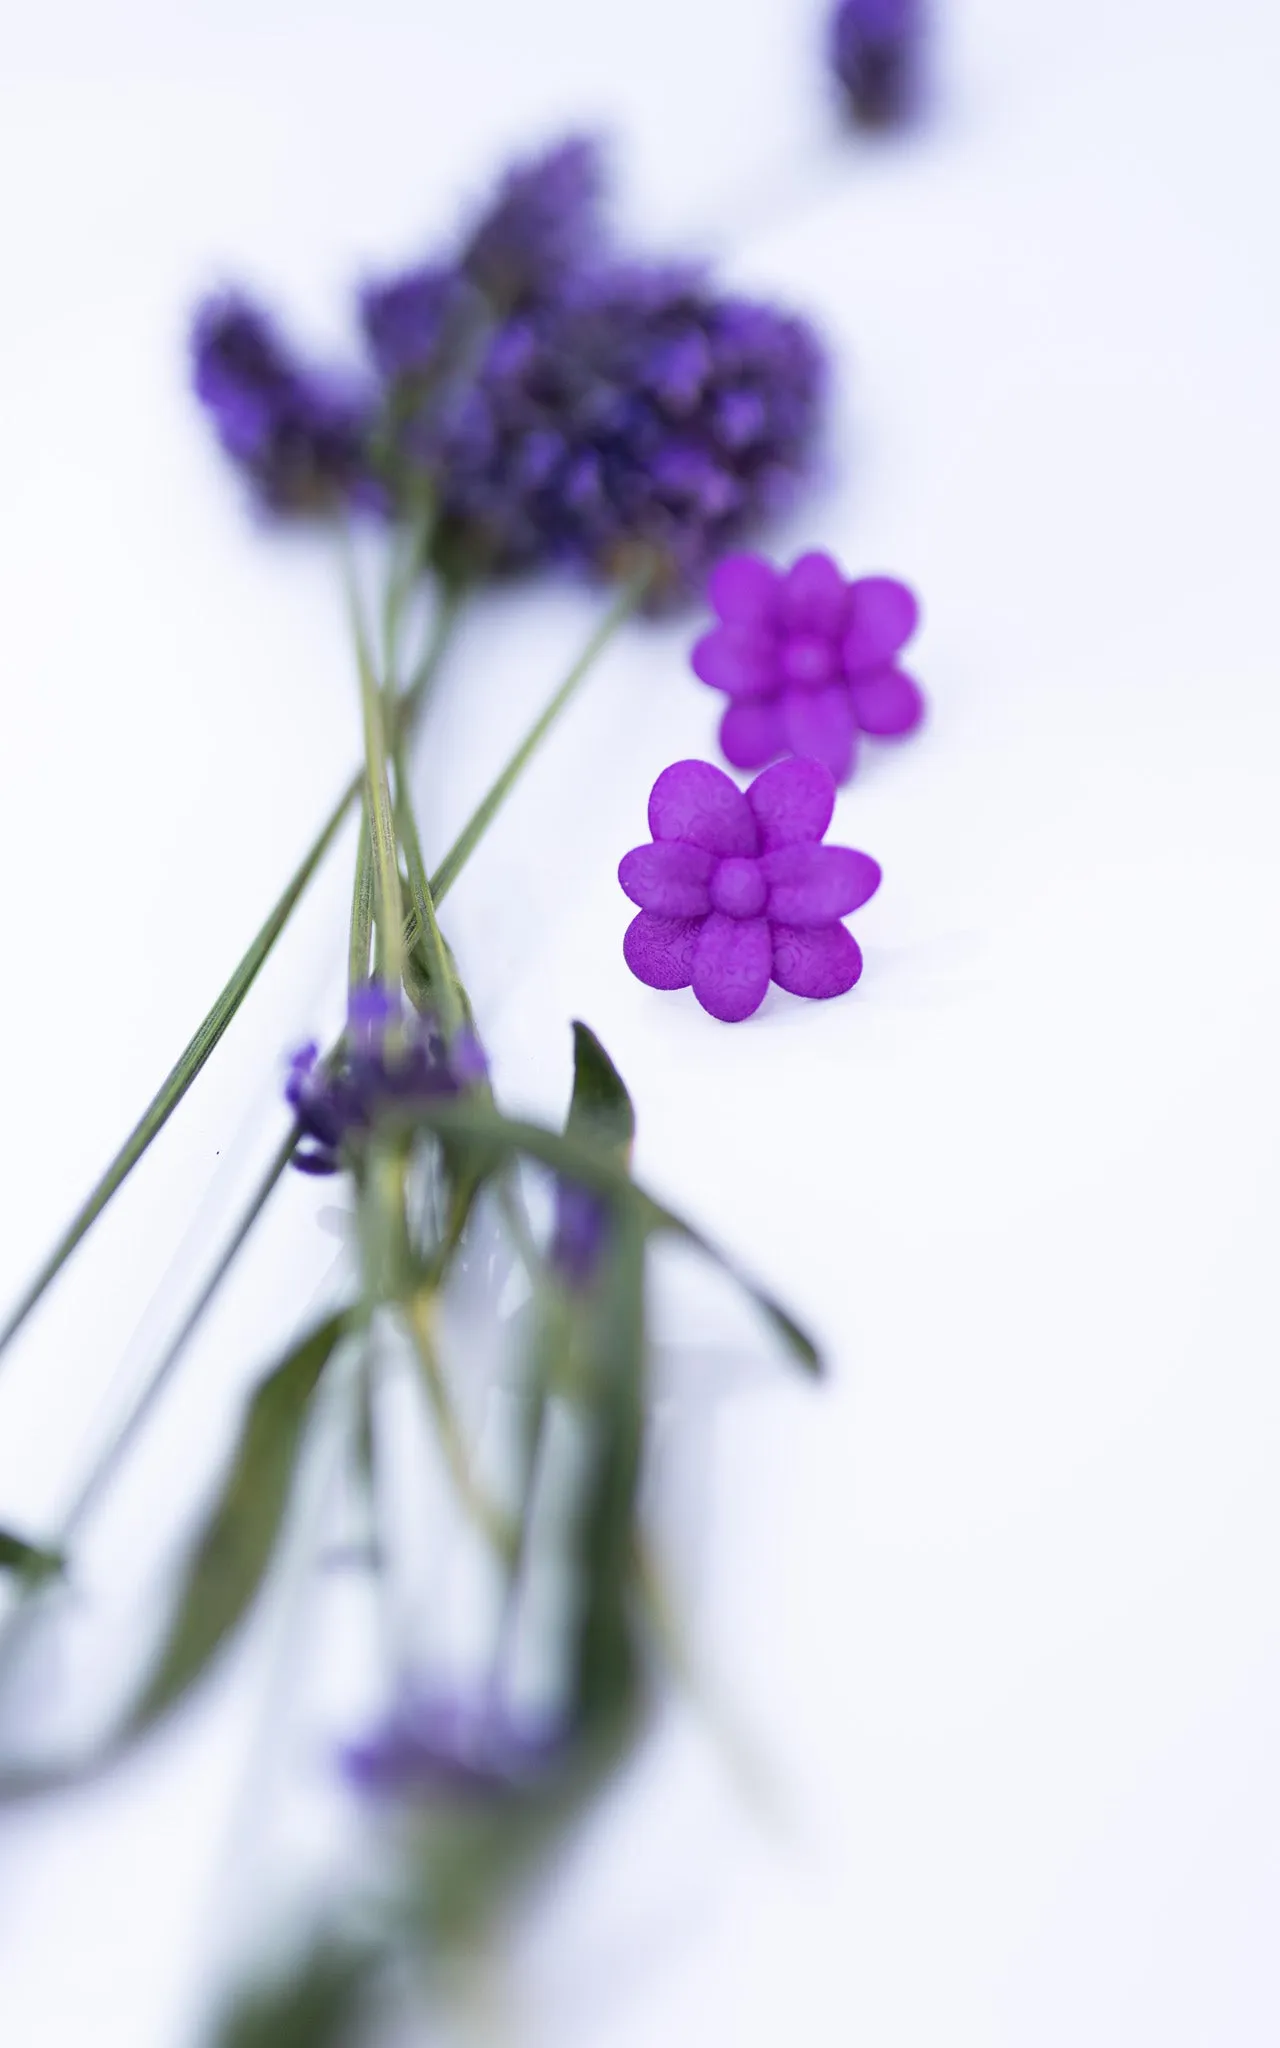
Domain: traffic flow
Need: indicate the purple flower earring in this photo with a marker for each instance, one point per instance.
(807, 659)
(737, 890)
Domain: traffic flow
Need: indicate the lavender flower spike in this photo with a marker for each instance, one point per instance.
(639, 409)
(875, 54)
(738, 889)
(438, 1744)
(386, 1061)
(300, 435)
(807, 660)
(541, 226)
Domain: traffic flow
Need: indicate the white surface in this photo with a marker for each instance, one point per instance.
(1001, 1603)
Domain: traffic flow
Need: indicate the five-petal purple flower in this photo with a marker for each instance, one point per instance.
(737, 889)
(807, 660)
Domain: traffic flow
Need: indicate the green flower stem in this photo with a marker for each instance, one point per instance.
(110, 1458)
(361, 909)
(112, 1455)
(192, 1059)
(181, 1076)
(448, 995)
(419, 1314)
(387, 903)
(622, 608)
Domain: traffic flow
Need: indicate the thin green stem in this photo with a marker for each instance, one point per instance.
(388, 905)
(110, 1458)
(419, 1312)
(623, 607)
(361, 909)
(446, 992)
(214, 1024)
(114, 1452)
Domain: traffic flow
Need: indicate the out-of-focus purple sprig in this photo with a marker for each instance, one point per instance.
(300, 434)
(877, 54)
(639, 407)
(446, 1745)
(557, 404)
(387, 1060)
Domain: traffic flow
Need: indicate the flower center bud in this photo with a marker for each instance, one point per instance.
(738, 888)
(808, 662)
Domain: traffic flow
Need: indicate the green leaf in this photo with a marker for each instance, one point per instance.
(606, 1657)
(29, 1562)
(231, 1557)
(600, 1109)
(495, 1138)
(323, 2003)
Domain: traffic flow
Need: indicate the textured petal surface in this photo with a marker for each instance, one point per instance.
(882, 617)
(732, 963)
(743, 590)
(815, 597)
(887, 701)
(670, 878)
(816, 884)
(751, 734)
(822, 960)
(820, 724)
(737, 660)
(792, 801)
(696, 801)
(659, 950)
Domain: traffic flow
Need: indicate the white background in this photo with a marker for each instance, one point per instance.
(1000, 1605)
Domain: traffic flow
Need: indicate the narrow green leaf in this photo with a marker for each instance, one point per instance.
(211, 1028)
(600, 1108)
(30, 1562)
(322, 2003)
(606, 1658)
(231, 1557)
(183, 1073)
(495, 1138)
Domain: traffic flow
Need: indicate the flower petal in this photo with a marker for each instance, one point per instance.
(822, 960)
(792, 801)
(669, 878)
(820, 724)
(732, 962)
(883, 615)
(815, 597)
(696, 801)
(743, 590)
(659, 950)
(886, 701)
(751, 734)
(737, 660)
(811, 884)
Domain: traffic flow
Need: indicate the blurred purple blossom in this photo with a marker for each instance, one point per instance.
(640, 409)
(387, 1060)
(448, 1745)
(300, 435)
(807, 659)
(542, 226)
(578, 1238)
(876, 53)
(737, 890)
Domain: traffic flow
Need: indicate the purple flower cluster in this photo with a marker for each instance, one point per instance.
(387, 1060)
(299, 434)
(561, 404)
(808, 660)
(738, 889)
(638, 407)
(448, 1746)
(876, 48)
